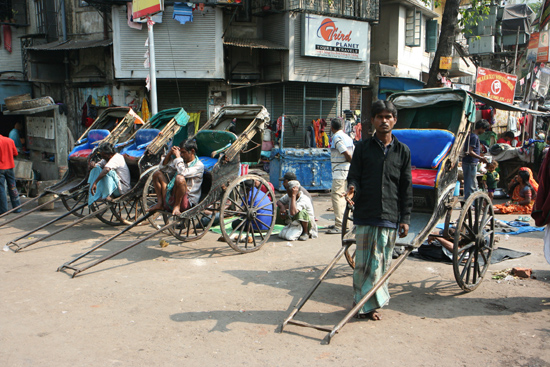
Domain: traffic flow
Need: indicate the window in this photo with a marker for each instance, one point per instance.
(413, 28)
(432, 28)
(13, 11)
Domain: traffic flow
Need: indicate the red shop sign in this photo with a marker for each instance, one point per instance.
(495, 85)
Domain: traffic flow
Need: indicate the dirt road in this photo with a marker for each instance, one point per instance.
(202, 304)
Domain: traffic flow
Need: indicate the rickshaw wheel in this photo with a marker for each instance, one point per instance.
(121, 213)
(253, 229)
(190, 229)
(473, 241)
(348, 234)
(71, 202)
(148, 199)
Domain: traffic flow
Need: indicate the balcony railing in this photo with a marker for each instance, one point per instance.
(354, 9)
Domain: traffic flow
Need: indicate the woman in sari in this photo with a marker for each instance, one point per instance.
(524, 190)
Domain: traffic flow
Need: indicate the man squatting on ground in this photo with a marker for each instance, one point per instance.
(184, 189)
(380, 185)
(340, 157)
(295, 210)
(110, 176)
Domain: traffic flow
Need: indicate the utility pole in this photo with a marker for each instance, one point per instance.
(152, 68)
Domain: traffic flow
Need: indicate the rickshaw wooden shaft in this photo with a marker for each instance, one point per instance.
(22, 205)
(27, 212)
(48, 223)
(137, 222)
(133, 244)
(356, 308)
(80, 220)
(35, 208)
(367, 296)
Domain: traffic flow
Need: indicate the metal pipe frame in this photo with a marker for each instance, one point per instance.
(80, 220)
(99, 261)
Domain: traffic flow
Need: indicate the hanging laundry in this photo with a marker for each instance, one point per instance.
(145, 114)
(310, 137)
(6, 29)
(324, 138)
(131, 22)
(317, 128)
(91, 109)
(195, 117)
(183, 13)
(103, 101)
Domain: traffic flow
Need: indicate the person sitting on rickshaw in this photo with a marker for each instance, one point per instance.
(110, 176)
(184, 189)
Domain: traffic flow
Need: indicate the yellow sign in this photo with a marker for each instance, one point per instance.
(445, 62)
(143, 8)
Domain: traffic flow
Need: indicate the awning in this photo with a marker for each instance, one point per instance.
(505, 106)
(254, 43)
(71, 45)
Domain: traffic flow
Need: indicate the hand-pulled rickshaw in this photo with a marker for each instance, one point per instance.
(434, 124)
(112, 125)
(245, 204)
(142, 151)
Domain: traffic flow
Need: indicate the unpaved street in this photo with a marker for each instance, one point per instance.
(202, 304)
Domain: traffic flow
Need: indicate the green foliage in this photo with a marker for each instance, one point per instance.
(535, 6)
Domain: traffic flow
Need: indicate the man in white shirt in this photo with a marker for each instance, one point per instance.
(341, 151)
(184, 189)
(110, 176)
(296, 210)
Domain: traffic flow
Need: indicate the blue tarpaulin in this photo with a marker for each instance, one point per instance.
(183, 13)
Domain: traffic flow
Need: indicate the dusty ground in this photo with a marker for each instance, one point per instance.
(202, 304)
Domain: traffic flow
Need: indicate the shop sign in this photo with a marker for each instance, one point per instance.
(537, 49)
(143, 8)
(334, 38)
(495, 85)
(445, 62)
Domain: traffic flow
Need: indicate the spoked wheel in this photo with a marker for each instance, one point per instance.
(124, 212)
(193, 228)
(72, 201)
(247, 215)
(473, 241)
(348, 235)
(148, 199)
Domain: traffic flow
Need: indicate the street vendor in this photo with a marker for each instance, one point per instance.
(110, 177)
(524, 190)
(184, 189)
(380, 187)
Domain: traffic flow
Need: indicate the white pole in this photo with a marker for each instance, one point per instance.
(152, 68)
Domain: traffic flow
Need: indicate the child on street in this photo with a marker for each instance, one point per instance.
(491, 178)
